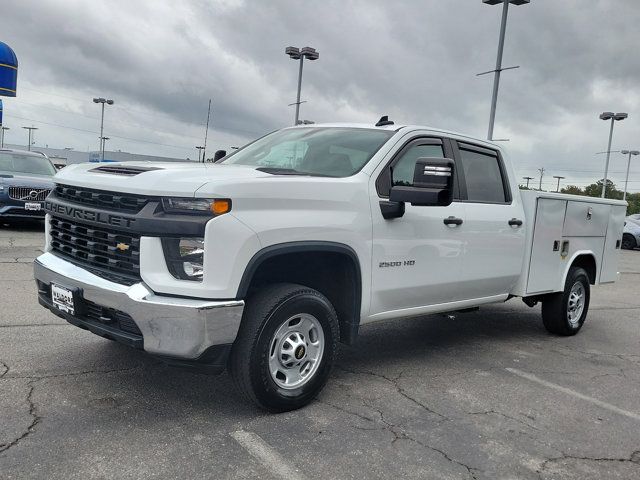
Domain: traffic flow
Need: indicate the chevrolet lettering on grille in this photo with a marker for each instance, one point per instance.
(89, 215)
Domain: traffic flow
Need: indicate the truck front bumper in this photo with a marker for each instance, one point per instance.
(183, 331)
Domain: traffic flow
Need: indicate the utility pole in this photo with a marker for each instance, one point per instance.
(30, 135)
(2, 130)
(527, 179)
(559, 178)
(541, 170)
(206, 133)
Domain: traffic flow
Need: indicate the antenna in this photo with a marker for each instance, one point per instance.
(384, 120)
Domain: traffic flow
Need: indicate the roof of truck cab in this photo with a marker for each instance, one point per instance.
(404, 128)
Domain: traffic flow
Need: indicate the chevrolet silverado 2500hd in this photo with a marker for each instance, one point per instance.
(265, 260)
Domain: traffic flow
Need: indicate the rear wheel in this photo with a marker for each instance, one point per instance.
(629, 241)
(285, 348)
(564, 313)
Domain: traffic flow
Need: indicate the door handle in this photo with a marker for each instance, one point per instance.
(515, 222)
(452, 221)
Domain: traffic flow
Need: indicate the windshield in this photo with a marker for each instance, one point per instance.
(333, 152)
(29, 164)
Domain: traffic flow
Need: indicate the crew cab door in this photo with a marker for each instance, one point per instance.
(416, 257)
(494, 232)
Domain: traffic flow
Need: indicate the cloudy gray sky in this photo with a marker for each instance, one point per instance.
(414, 60)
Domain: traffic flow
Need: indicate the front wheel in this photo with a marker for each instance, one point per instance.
(564, 313)
(285, 347)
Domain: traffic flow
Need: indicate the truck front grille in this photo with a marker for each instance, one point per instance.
(28, 194)
(117, 201)
(109, 253)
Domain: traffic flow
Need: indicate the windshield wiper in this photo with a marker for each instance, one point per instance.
(289, 171)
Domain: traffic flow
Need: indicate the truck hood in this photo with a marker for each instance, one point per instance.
(154, 178)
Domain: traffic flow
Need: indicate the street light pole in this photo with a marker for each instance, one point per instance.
(626, 180)
(200, 150)
(108, 102)
(30, 135)
(541, 170)
(527, 179)
(2, 130)
(498, 70)
(296, 53)
(559, 178)
(613, 117)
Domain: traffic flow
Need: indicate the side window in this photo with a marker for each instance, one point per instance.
(402, 170)
(483, 176)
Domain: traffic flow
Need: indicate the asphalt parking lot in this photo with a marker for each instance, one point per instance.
(487, 395)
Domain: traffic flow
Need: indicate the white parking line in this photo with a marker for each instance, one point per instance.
(267, 456)
(568, 391)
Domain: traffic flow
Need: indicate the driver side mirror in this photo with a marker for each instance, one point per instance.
(432, 187)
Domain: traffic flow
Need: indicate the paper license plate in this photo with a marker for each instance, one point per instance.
(36, 207)
(62, 298)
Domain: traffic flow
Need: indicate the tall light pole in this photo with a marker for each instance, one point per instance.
(108, 102)
(527, 179)
(558, 178)
(200, 150)
(499, 69)
(626, 180)
(614, 117)
(299, 54)
(541, 170)
(2, 130)
(31, 129)
(103, 144)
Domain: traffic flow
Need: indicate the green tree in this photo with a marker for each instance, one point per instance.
(595, 190)
(572, 190)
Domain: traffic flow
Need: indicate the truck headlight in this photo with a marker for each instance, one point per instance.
(184, 257)
(211, 206)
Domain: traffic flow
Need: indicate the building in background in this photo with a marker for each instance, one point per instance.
(64, 156)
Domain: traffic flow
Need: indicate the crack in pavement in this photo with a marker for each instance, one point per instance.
(5, 367)
(494, 412)
(403, 435)
(35, 420)
(399, 389)
(633, 458)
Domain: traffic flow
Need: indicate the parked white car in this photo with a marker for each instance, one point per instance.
(631, 232)
(264, 261)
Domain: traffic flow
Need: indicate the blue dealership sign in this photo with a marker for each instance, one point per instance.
(8, 71)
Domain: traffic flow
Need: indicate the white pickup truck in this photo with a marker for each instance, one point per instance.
(265, 260)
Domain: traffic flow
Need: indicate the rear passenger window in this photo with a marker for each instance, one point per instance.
(483, 177)
(402, 172)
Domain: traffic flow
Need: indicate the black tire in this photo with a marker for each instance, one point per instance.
(629, 242)
(555, 307)
(266, 311)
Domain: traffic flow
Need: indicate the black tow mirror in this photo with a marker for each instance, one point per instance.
(432, 184)
(218, 155)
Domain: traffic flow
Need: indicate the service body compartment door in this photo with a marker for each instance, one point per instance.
(585, 219)
(611, 255)
(546, 264)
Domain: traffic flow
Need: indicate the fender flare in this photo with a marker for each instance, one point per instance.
(350, 330)
(570, 263)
